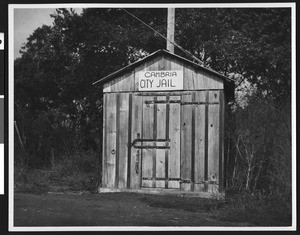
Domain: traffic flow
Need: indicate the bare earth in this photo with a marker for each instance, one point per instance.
(114, 209)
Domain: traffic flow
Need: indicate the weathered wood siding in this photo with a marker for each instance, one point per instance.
(193, 120)
(174, 132)
(200, 141)
(110, 140)
(186, 143)
(193, 79)
(122, 136)
(136, 129)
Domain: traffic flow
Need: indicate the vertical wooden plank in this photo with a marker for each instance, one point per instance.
(122, 83)
(153, 65)
(161, 63)
(214, 96)
(193, 144)
(129, 140)
(117, 84)
(137, 112)
(131, 81)
(214, 149)
(110, 163)
(154, 136)
(175, 64)
(186, 141)
(213, 142)
(174, 134)
(210, 81)
(114, 84)
(189, 76)
(147, 154)
(221, 142)
(117, 139)
(107, 87)
(104, 158)
(167, 62)
(199, 80)
(161, 134)
(167, 136)
(123, 140)
(206, 139)
(199, 140)
(200, 137)
(134, 81)
(136, 78)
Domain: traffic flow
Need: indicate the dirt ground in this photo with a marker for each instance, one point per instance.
(114, 209)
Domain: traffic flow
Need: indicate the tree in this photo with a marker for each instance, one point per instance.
(59, 63)
(255, 43)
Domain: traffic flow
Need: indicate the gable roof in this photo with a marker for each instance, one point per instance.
(151, 56)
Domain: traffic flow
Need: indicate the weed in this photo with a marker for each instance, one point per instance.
(257, 208)
(79, 173)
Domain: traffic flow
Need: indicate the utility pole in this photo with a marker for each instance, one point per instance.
(171, 29)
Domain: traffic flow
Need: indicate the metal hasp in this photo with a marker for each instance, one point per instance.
(142, 146)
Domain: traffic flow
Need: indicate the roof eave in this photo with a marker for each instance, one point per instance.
(105, 79)
(102, 80)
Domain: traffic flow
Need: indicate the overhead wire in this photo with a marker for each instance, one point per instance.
(175, 44)
(187, 52)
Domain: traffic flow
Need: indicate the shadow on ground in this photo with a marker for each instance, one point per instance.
(115, 209)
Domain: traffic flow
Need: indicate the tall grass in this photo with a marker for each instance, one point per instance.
(259, 162)
(82, 172)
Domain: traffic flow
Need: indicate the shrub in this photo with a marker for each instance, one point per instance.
(259, 209)
(31, 180)
(259, 162)
(82, 172)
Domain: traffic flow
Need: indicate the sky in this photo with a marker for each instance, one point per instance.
(26, 21)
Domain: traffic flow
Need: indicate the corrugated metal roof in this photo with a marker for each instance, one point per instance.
(149, 57)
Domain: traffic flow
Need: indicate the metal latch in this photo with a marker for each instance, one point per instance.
(145, 146)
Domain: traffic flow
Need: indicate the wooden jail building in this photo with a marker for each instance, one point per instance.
(163, 126)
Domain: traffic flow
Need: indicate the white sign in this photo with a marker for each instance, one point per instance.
(160, 80)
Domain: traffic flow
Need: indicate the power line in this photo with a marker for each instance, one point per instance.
(175, 44)
(190, 54)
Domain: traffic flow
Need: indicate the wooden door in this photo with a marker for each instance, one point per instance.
(160, 142)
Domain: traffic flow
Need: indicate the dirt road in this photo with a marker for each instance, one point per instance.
(113, 209)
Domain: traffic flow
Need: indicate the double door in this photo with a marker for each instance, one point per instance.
(159, 142)
(163, 140)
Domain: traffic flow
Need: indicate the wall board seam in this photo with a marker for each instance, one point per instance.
(206, 138)
(221, 142)
(193, 143)
(104, 143)
(167, 137)
(129, 140)
(154, 144)
(117, 140)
